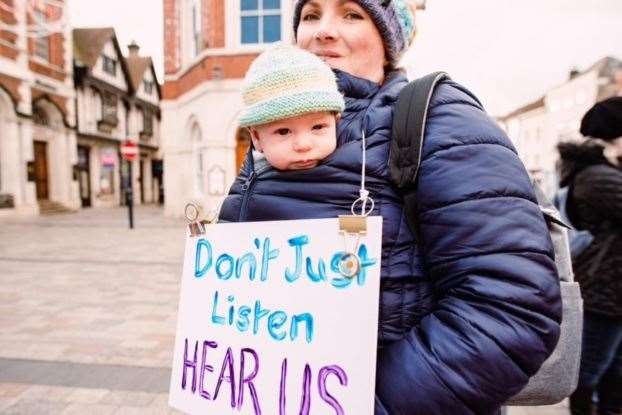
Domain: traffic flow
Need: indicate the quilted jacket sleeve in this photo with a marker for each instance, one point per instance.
(490, 257)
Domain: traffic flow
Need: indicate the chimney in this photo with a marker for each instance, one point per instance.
(133, 48)
(574, 72)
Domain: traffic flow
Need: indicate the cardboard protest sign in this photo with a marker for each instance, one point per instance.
(268, 325)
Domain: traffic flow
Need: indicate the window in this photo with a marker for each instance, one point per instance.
(197, 150)
(196, 28)
(148, 86)
(110, 65)
(42, 43)
(260, 21)
(199, 170)
(99, 106)
(106, 173)
(109, 112)
(40, 117)
(147, 123)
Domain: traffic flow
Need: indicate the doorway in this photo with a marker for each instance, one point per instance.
(41, 170)
(84, 175)
(243, 142)
(141, 180)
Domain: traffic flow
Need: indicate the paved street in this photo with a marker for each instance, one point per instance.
(88, 313)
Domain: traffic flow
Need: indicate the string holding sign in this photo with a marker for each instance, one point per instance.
(354, 226)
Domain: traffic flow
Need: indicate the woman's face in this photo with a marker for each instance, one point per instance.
(344, 36)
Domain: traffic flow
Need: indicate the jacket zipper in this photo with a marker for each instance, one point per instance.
(247, 187)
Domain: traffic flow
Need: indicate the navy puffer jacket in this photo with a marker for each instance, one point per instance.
(470, 308)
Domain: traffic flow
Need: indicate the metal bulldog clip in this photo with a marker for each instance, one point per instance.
(195, 227)
(353, 227)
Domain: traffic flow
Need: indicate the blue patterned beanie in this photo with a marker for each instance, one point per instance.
(286, 81)
(393, 18)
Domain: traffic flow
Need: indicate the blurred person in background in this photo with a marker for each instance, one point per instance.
(593, 172)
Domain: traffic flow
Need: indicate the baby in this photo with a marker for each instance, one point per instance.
(291, 107)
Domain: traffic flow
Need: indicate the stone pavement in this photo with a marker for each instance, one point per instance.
(88, 313)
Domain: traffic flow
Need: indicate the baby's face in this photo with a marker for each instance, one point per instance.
(297, 143)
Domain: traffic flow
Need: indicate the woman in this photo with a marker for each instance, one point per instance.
(469, 306)
(593, 172)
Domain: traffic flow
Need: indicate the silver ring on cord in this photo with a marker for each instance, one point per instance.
(360, 199)
(189, 216)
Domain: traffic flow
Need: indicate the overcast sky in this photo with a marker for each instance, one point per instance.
(508, 52)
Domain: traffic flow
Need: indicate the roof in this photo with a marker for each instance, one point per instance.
(525, 108)
(89, 42)
(605, 66)
(137, 65)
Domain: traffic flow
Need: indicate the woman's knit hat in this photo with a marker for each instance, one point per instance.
(603, 120)
(286, 81)
(393, 18)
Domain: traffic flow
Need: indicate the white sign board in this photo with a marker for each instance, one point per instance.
(267, 324)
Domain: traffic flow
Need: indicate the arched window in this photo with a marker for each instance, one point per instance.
(199, 162)
(39, 116)
(45, 113)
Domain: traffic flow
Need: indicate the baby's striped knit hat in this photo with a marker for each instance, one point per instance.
(393, 18)
(285, 82)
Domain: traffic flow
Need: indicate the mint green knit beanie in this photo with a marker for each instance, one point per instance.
(285, 82)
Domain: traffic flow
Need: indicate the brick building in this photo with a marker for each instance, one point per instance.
(37, 111)
(208, 46)
(68, 98)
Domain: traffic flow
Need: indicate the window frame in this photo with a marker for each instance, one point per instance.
(147, 116)
(109, 65)
(148, 87)
(261, 13)
(40, 116)
(107, 172)
(197, 28)
(41, 46)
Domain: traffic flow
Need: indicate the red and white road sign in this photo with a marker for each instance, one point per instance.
(129, 150)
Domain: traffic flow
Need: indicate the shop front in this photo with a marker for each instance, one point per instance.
(98, 172)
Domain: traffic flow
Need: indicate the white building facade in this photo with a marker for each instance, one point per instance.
(144, 127)
(37, 111)
(538, 127)
(117, 100)
(103, 92)
(209, 45)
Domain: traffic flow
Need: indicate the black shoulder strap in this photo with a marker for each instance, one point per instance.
(409, 121)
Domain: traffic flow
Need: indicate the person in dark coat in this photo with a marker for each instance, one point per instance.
(593, 172)
(469, 305)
